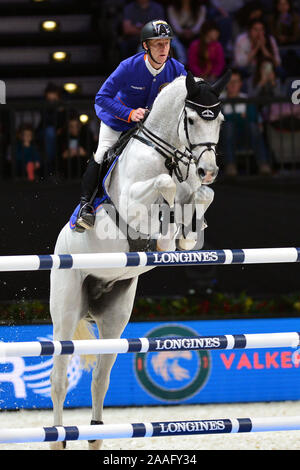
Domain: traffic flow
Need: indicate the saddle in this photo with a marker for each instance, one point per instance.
(112, 153)
(116, 149)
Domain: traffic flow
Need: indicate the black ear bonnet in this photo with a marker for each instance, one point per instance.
(204, 97)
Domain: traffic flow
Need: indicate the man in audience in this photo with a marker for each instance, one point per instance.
(135, 15)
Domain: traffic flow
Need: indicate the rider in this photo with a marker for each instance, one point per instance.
(123, 99)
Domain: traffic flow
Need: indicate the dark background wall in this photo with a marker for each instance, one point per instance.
(245, 214)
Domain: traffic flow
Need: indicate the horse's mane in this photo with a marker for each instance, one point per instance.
(177, 86)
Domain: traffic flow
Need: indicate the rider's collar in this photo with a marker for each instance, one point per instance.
(151, 69)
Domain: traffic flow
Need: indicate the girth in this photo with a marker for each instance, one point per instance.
(141, 241)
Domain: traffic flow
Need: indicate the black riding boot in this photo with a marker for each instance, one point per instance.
(89, 184)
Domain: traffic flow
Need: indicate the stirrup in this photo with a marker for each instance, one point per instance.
(85, 220)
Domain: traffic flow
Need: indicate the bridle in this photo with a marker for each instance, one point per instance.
(173, 156)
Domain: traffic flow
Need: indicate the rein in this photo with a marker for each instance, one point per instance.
(173, 156)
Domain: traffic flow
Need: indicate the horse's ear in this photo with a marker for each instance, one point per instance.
(220, 84)
(191, 85)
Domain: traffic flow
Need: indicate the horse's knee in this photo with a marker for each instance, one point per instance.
(167, 187)
(204, 195)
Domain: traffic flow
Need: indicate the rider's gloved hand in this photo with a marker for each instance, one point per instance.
(138, 114)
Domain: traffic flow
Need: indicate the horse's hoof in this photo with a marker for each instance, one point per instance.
(95, 445)
(61, 445)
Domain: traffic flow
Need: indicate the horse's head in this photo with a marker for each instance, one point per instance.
(200, 124)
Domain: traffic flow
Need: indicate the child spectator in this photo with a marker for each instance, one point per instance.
(27, 156)
(74, 148)
(206, 55)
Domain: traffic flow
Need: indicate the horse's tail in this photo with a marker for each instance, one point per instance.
(84, 330)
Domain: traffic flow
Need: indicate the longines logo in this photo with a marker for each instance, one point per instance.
(171, 375)
(192, 426)
(182, 257)
(187, 343)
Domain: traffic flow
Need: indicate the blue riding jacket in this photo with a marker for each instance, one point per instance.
(132, 86)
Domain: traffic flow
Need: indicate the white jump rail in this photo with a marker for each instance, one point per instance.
(164, 258)
(144, 345)
(151, 429)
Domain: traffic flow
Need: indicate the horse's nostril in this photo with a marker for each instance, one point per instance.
(201, 172)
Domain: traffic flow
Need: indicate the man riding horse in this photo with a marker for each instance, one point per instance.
(122, 101)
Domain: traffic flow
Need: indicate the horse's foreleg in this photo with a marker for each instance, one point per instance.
(167, 188)
(201, 201)
(111, 318)
(145, 194)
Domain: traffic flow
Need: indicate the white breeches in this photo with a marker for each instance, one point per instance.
(107, 137)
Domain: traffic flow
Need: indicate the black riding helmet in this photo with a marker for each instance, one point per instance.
(156, 29)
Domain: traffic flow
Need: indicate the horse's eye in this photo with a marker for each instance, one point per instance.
(191, 121)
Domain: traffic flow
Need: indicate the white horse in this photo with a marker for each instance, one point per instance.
(170, 160)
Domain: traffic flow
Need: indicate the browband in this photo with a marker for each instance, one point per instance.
(208, 112)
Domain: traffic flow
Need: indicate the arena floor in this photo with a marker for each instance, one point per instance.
(279, 440)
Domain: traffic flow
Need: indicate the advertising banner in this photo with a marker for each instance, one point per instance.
(161, 377)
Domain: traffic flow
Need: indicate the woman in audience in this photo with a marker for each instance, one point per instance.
(285, 23)
(186, 18)
(264, 81)
(205, 54)
(253, 46)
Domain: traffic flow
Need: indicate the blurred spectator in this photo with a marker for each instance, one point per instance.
(285, 23)
(264, 81)
(241, 129)
(51, 124)
(205, 55)
(285, 26)
(27, 156)
(223, 12)
(178, 51)
(186, 18)
(74, 141)
(253, 10)
(135, 15)
(253, 46)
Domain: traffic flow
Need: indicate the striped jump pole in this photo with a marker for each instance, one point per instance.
(144, 345)
(155, 429)
(164, 258)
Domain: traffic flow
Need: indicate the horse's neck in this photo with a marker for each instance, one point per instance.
(165, 114)
(163, 122)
